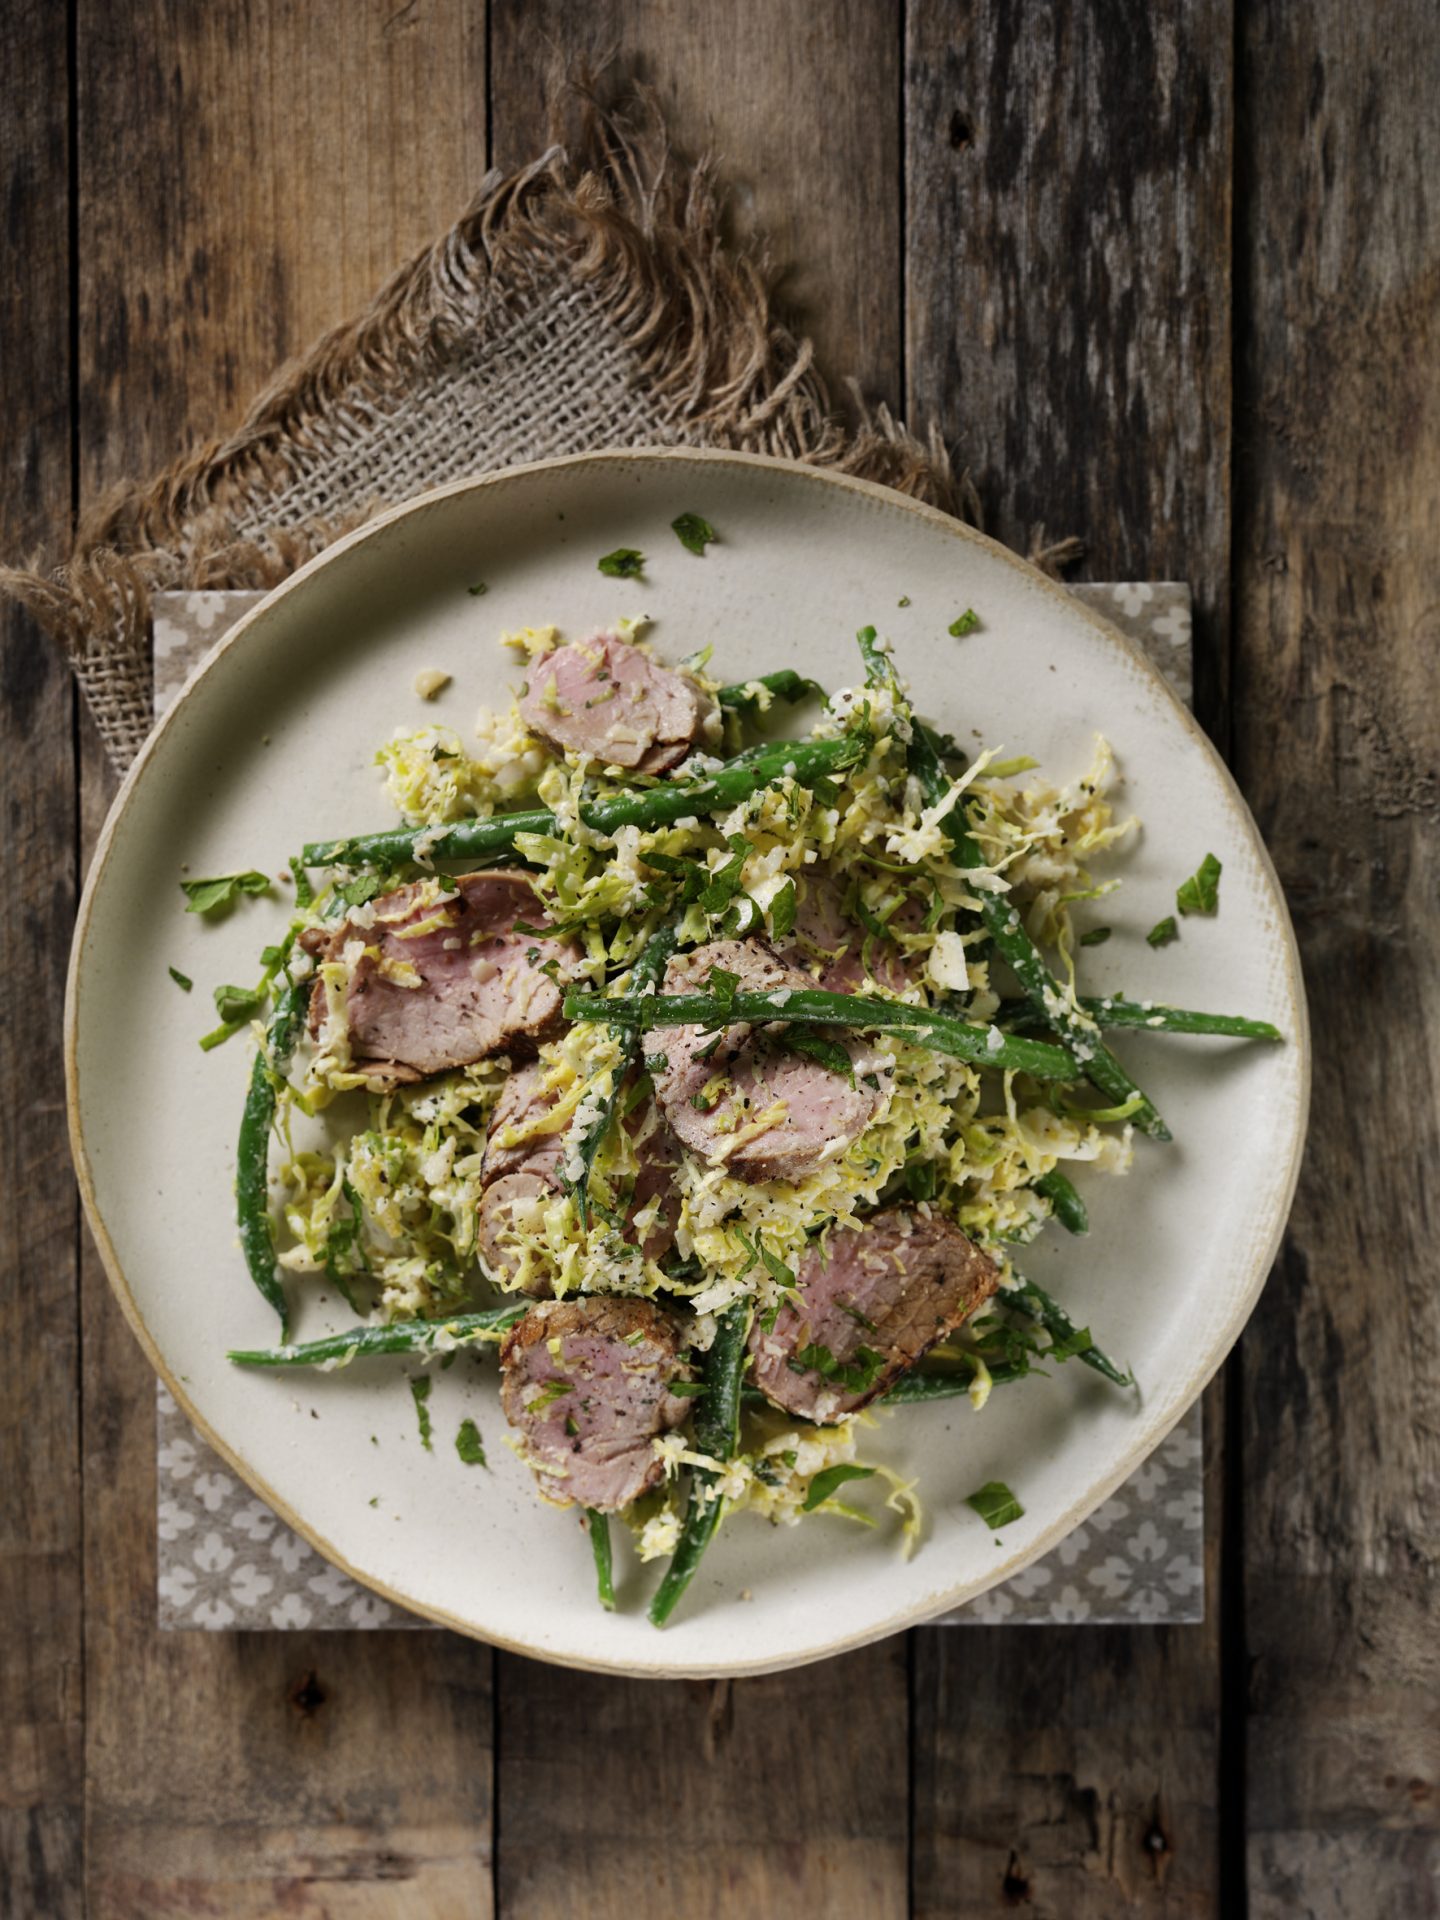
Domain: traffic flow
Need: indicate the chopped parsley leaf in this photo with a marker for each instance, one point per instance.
(826, 1053)
(469, 1445)
(687, 1389)
(693, 532)
(656, 1062)
(624, 563)
(209, 896)
(478, 588)
(181, 980)
(1096, 937)
(903, 601)
(782, 911)
(1163, 932)
(782, 1275)
(1201, 892)
(363, 887)
(234, 1004)
(857, 1375)
(724, 985)
(829, 1481)
(967, 623)
(724, 882)
(420, 1387)
(995, 1504)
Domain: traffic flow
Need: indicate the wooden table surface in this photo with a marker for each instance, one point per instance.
(1167, 275)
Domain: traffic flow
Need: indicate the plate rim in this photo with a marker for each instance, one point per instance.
(1149, 1434)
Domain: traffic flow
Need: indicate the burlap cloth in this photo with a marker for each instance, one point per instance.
(588, 300)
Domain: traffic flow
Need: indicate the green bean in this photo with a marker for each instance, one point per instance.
(784, 685)
(1065, 1202)
(494, 839)
(1021, 954)
(879, 667)
(717, 1433)
(999, 915)
(645, 975)
(252, 1153)
(1060, 1327)
(404, 1336)
(980, 1046)
(917, 1386)
(1111, 1010)
(597, 1525)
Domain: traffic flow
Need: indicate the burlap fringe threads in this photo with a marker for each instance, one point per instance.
(587, 300)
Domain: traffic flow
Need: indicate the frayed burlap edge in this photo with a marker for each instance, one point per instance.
(614, 214)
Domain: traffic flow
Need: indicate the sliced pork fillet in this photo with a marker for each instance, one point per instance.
(437, 981)
(519, 1176)
(830, 947)
(511, 1205)
(749, 1103)
(606, 699)
(871, 1304)
(587, 1381)
(522, 1102)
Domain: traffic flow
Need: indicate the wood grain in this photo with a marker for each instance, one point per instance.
(41, 1680)
(799, 1803)
(1068, 178)
(1337, 741)
(799, 102)
(248, 174)
(1067, 278)
(1052, 277)
(1071, 1771)
(783, 1795)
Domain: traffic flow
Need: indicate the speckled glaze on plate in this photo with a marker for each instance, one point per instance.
(272, 743)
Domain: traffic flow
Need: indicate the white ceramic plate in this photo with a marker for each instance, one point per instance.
(272, 744)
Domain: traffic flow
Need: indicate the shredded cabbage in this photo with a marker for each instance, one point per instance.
(387, 1208)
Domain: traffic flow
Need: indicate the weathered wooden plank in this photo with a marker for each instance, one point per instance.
(41, 1687)
(1067, 285)
(1071, 1770)
(789, 1793)
(248, 174)
(798, 102)
(1067, 320)
(627, 1798)
(1337, 742)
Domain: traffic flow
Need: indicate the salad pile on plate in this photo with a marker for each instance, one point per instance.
(718, 1080)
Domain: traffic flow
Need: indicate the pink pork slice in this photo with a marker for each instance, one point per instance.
(831, 947)
(711, 1101)
(518, 1173)
(589, 1407)
(606, 699)
(892, 1288)
(481, 987)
